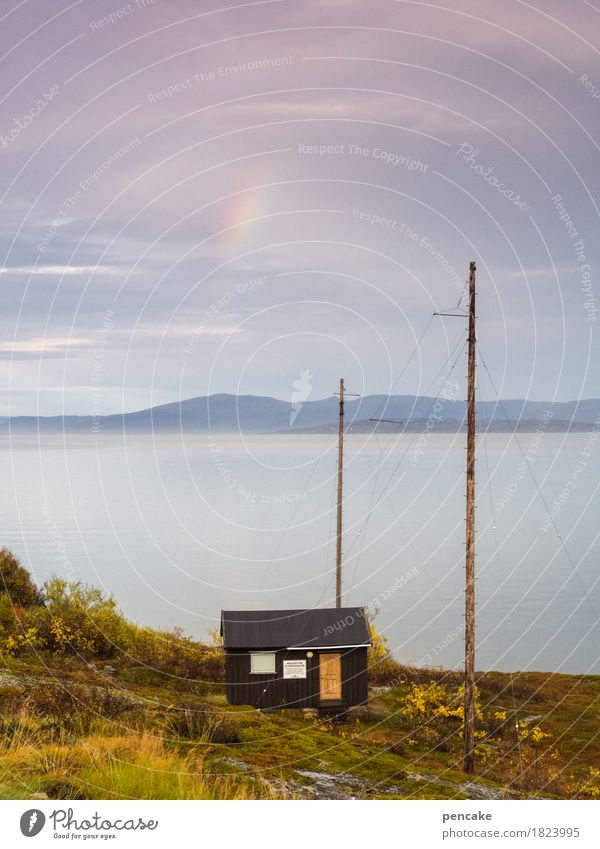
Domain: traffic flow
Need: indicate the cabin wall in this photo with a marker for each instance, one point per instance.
(355, 677)
(271, 691)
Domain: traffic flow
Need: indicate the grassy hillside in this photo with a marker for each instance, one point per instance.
(72, 732)
(94, 706)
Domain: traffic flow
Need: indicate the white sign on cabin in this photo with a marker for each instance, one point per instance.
(294, 669)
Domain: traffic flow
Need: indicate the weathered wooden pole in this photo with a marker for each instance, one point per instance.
(469, 730)
(340, 491)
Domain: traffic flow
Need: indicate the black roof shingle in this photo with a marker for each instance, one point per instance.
(269, 629)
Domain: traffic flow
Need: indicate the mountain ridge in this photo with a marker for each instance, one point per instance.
(265, 414)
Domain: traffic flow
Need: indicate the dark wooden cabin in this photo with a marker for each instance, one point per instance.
(296, 658)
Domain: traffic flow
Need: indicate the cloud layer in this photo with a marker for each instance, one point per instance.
(159, 160)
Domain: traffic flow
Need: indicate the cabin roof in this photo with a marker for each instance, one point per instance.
(333, 627)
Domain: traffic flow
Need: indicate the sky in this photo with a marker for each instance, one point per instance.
(260, 198)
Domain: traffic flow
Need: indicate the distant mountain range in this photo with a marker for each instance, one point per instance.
(258, 414)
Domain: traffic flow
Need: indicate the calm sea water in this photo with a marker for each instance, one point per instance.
(178, 528)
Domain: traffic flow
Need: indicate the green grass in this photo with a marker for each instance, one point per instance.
(141, 738)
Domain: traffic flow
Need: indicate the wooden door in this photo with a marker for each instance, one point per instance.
(330, 676)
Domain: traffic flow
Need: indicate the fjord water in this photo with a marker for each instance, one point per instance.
(177, 528)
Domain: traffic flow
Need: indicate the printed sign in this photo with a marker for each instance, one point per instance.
(294, 669)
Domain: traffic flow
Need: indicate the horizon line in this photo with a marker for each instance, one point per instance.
(288, 401)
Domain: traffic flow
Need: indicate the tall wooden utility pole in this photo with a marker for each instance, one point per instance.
(340, 494)
(340, 490)
(469, 754)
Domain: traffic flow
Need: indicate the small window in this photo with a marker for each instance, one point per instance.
(262, 663)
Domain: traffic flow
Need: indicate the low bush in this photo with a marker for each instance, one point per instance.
(201, 722)
(79, 619)
(383, 669)
(76, 707)
(71, 619)
(16, 582)
(370, 713)
(173, 653)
